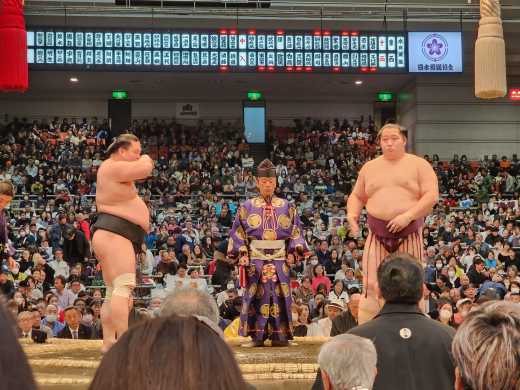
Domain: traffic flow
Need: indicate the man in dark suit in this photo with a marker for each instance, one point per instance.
(348, 319)
(323, 253)
(73, 329)
(413, 351)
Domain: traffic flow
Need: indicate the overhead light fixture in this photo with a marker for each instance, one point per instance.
(73, 79)
(359, 82)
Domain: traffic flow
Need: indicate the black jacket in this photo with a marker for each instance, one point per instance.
(343, 323)
(413, 351)
(7, 289)
(77, 249)
(475, 277)
(84, 333)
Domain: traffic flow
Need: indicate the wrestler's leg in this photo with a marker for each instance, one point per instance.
(100, 248)
(117, 258)
(374, 253)
(369, 304)
(109, 332)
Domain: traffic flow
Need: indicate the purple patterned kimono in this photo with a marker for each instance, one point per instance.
(267, 233)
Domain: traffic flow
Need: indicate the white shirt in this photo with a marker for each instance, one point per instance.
(174, 281)
(32, 170)
(149, 262)
(36, 294)
(320, 328)
(222, 297)
(65, 299)
(199, 283)
(60, 268)
(343, 296)
(248, 162)
(72, 333)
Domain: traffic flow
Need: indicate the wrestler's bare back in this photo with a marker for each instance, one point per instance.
(391, 187)
(120, 198)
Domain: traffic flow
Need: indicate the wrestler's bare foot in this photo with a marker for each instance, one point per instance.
(253, 344)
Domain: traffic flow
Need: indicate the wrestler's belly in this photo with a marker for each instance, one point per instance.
(133, 210)
(388, 204)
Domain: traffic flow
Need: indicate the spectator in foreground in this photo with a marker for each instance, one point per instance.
(348, 362)
(486, 348)
(190, 302)
(414, 352)
(197, 358)
(14, 367)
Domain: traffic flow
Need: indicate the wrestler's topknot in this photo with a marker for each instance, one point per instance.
(122, 141)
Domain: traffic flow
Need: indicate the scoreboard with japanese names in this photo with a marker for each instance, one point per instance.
(241, 51)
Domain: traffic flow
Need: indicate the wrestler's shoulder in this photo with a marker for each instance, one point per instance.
(105, 164)
(372, 163)
(417, 159)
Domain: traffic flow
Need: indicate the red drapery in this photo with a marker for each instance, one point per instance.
(13, 47)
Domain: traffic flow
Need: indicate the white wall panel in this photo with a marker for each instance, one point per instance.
(474, 150)
(468, 132)
(68, 107)
(451, 120)
(454, 112)
(281, 111)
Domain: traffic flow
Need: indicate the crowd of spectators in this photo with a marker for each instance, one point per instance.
(202, 174)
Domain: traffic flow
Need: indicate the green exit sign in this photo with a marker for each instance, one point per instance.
(120, 95)
(254, 96)
(385, 96)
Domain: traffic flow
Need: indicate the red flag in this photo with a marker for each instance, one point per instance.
(14, 74)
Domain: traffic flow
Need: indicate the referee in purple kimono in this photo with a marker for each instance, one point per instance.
(266, 238)
(7, 191)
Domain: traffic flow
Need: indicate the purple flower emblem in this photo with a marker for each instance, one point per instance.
(435, 47)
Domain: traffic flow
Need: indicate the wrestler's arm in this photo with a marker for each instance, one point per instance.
(125, 171)
(429, 186)
(357, 199)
